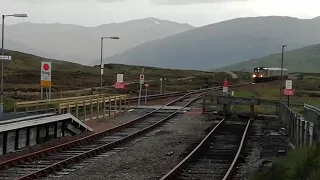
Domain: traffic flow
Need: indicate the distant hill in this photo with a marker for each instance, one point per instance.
(24, 62)
(82, 44)
(306, 59)
(224, 43)
(23, 74)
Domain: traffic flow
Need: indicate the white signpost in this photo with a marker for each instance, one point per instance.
(145, 97)
(141, 82)
(45, 79)
(288, 84)
(161, 80)
(5, 58)
(288, 91)
(165, 85)
(119, 78)
(141, 79)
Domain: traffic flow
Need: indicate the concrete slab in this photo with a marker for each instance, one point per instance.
(25, 117)
(37, 120)
(23, 131)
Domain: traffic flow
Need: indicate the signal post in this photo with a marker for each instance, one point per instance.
(141, 82)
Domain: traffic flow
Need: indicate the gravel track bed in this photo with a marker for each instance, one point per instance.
(97, 125)
(261, 147)
(103, 124)
(154, 102)
(155, 154)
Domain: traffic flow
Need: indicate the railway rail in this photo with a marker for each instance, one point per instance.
(216, 155)
(44, 162)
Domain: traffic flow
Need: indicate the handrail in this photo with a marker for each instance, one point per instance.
(311, 107)
(94, 101)
(58, 99)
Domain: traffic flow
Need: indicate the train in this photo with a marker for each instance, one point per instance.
(261, 74)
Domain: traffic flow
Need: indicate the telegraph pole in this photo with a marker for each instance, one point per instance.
(281, 76)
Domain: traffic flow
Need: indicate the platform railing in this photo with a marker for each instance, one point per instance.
(50, 103)
(302, 129)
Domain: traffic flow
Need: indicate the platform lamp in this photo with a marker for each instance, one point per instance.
(281, 75)
(2, 53)
(101, 65)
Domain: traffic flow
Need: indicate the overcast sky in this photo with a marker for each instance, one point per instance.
(194, 12)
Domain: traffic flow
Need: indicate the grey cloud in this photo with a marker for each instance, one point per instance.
(59, 1)
(183, 2)
(110, 1)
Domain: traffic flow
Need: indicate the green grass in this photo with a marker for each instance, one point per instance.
(300, 164)
(308, 56)
(24, 61)
(310, 96)
(23, 74)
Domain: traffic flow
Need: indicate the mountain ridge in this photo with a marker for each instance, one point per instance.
(223, 43)
(309, 56)
(81, 44)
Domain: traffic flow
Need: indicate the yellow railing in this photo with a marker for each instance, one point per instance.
(98, 107)
(34, 105)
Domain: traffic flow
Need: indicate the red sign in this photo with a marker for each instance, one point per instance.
(141, 76)
(146, 85)
(119, 85)
(288, 92)
(46, 67)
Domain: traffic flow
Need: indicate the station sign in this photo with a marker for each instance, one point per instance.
(5, 58)
(119, 85)
(288, 84)
(120, 78)
(45, 79)
(288, 92)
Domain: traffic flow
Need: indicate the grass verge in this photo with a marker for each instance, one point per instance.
(300, 164)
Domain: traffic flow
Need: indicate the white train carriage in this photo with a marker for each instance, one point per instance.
(265, 74)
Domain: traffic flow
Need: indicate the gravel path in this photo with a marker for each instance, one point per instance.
(154, 155)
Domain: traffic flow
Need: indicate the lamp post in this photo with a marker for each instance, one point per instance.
(2, 53)
(101, 65)
(281, 81)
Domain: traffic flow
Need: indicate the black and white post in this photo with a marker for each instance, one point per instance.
(141, 81)
(146, 94)
(281, 75)
(165, 85)
(161, 80)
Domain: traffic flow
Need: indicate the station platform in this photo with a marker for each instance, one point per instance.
(18, 130)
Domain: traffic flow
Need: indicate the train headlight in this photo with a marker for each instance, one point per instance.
(261, 75)
(254, 75)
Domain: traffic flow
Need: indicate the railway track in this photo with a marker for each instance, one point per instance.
(42, 163)
(215, 157)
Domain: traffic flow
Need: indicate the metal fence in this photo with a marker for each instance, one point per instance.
(302, 129)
